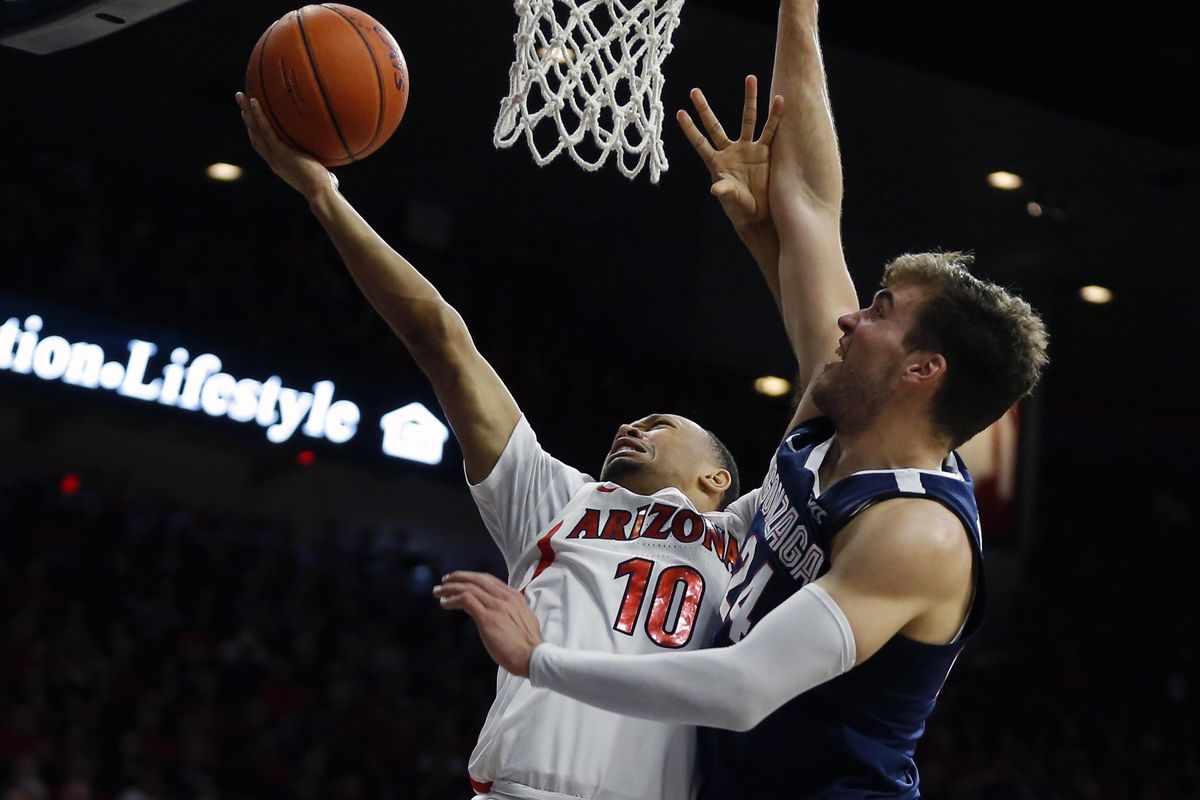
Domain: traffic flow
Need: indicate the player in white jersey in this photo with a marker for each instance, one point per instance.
(635, 563)
(609, 569)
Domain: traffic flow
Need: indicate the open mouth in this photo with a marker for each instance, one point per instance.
(626, 444)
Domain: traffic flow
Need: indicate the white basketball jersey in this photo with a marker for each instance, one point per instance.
(603, 569)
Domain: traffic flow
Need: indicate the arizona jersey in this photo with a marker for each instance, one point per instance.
(853, 737)
(603, 569)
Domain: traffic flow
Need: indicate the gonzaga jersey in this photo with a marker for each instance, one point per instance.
(603, 569)
(853, 737)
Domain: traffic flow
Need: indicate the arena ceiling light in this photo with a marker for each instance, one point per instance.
(221, 171)
(1004, 180)
(560, 54)
(772, 386)
(1098, 295)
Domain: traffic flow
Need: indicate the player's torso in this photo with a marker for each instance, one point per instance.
(851, 737)
(621, 573)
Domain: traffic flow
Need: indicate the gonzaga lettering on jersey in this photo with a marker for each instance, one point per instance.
(603, 569)
(853, 737)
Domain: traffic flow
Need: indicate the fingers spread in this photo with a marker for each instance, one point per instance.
(768, 131)
(711, 124)
(695, 137)
(750, 109)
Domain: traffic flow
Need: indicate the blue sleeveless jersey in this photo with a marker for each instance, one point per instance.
(852, 737)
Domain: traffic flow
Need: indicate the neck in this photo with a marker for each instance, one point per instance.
(700, 500)
(896, 444)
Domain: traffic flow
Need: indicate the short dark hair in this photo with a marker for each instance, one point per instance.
(726, 462)
(994, 343)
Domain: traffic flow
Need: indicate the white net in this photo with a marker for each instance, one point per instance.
(588, 79)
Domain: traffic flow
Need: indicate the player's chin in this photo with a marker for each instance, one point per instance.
(618, 466)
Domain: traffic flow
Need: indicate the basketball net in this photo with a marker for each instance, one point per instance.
(591, 71)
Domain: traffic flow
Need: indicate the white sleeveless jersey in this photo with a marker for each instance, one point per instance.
(603, 569)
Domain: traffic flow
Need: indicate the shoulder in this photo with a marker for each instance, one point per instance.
(909, 543)
(809, 430)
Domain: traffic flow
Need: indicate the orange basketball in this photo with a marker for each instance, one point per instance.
(332, 81)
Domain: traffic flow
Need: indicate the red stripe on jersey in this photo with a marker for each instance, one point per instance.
(547, 551)
(479, 786)
(606, 489)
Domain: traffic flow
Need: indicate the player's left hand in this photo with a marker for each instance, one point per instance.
(739, 168)
(509, 630)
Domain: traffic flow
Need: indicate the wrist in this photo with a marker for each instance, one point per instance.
(756, 234)
(320, 196)
(532, 671)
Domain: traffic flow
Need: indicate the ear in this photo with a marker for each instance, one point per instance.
(715, 483)
(925, 369)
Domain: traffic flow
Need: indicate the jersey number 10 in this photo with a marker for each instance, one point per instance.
(672, 581)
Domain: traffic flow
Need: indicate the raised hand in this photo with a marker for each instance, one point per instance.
(739, 168)
(300, 170)
(509, 630)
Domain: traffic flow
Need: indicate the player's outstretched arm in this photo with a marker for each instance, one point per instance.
(739, 170)
(480, 409)
(908, 560)
(806, 198)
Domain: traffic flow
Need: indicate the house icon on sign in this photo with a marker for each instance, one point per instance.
(412, 432)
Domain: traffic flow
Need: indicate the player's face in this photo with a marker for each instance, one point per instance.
(657, 451)
(855, 387)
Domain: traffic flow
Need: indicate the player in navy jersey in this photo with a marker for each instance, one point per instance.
(861, 577)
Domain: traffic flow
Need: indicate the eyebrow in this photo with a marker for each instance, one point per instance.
(886, 295)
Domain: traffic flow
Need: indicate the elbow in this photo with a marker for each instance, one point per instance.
(438, 339)
(744, 722)
(743, 718)
(747, 707)
(436, 330)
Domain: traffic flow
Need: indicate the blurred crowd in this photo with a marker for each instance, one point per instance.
(150, 651)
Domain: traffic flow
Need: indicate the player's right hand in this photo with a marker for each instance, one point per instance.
(509, 630)
(300, 170)
(739, 168)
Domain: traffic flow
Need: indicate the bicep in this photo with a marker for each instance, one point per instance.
(898, 562)
(874, 616)
(522, 494)
(480, 409)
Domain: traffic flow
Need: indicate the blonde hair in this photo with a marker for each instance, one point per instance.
(994, 342)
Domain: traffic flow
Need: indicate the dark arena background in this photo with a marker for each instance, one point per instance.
(199, 607)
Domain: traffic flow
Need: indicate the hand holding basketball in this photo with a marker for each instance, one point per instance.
(301, 171)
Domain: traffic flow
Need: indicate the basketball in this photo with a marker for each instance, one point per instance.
(331, 80)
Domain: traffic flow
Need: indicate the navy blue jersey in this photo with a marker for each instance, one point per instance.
(852, 737)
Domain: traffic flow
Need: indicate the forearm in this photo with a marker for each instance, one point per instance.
(763, 243)
(801, 644)
(404, 298)
(806, 194)
(804, 157)
(481, 411)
